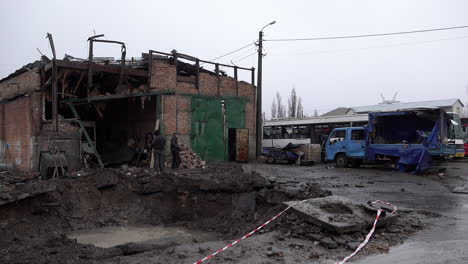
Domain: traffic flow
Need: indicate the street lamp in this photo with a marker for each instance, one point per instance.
(259, 120)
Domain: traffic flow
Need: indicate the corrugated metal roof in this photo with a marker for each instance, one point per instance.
(337, 111)
(319, 120)
(399, 106)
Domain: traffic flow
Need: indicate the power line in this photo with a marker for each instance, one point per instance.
(368, 48)
(244, 53)
(229, 53)
(368, 35)
(245, 57)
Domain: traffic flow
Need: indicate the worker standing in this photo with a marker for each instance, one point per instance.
(175, 150)
(158, 144)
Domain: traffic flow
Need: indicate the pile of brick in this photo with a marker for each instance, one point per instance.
(189, 159)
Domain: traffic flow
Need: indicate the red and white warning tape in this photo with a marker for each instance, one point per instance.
(369, 235)
(379, 212)
(249, 234)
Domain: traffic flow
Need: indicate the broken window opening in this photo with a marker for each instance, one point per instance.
(120, 129)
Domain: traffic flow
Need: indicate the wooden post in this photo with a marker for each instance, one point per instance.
(54, 84)
(253, 76)
(122, 64)
(150, 68)
(90, 68)
(217, 75)
(237, 81)
(197, 84)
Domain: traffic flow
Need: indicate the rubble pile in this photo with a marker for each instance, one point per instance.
(189, 159)
(13, 188)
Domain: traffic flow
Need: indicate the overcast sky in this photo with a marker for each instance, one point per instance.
(326, 74)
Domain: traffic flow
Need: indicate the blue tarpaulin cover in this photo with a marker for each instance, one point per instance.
(407, 129)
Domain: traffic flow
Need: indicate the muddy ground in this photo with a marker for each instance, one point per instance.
(208, 208)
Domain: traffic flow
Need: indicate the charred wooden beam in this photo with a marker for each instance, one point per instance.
(64, 82)
(237, 81)
(217, 75)
(197, 84)
(253, 76)
(100, 68)
(150, 69)
(78, 82)
(54, 83)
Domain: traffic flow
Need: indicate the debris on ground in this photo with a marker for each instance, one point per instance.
(222, 200)
(337, 214)
(189, 159)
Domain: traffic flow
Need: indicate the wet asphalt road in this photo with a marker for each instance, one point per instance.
(446, 238)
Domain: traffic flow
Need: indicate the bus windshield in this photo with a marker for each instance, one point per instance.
(455, 129)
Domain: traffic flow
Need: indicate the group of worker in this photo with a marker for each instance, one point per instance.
(158, 145)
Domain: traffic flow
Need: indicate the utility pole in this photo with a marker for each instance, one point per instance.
(259, 97)
(259, 119)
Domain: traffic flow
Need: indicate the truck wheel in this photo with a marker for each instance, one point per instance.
(271, 159)
(341, 161)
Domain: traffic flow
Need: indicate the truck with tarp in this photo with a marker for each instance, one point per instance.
(410, 138)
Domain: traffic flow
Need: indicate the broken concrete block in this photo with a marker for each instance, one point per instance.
(337, 214)
(328, 242)
(352, 245)
(5, 196)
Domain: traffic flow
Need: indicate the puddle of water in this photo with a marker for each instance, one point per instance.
(111, 236)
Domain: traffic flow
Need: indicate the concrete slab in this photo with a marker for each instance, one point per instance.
(337, 214)
(461, 189)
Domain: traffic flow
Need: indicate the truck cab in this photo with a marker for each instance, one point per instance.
(346, 146)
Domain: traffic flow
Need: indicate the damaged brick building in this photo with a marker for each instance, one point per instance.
(101, 111)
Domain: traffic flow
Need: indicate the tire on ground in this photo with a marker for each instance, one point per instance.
(341, 161)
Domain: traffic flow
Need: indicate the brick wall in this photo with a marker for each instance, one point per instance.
(20, 124)
(208, 84)
(247, 90)
(24, 83)
(176, 108)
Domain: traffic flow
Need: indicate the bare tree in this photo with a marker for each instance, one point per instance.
(274, 109)
(300, 110)
(292, 103)
(316, 113)
(281, 112)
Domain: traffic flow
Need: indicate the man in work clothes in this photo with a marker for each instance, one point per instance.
(175, 150)
(158, 144)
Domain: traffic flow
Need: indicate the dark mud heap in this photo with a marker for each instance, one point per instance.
(35, 216)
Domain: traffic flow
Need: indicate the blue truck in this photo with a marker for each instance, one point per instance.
(410, 139)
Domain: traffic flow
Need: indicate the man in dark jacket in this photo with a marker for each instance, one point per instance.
(158, 144)
(175, 150)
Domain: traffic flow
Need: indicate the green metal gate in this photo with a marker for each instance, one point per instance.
(211, 120)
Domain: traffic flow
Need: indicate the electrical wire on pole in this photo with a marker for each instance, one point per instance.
(369, 35)
(231, 52)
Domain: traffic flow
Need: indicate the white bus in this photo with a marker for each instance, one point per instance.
(312, 130)
(455, 135)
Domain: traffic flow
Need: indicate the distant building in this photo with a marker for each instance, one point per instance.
(337, 111)
(449, 105)
(279, 132)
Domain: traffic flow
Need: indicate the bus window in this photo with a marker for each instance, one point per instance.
(267, 132)
(286, 132)
(277, 133)
(301, 132)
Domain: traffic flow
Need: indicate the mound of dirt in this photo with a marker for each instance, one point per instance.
(32, 229)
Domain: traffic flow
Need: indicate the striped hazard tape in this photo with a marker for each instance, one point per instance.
(249, 234)
(379, 212)
(371, 232)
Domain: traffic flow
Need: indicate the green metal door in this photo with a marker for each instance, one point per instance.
(210, 125)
